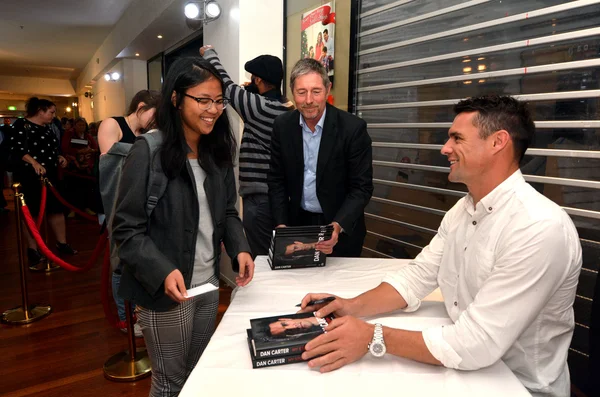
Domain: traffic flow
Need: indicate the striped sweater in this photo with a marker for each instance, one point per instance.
(258, 113)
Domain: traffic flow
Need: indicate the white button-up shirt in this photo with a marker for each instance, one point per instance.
(508, 270)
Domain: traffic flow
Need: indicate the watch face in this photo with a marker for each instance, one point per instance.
(377, 349)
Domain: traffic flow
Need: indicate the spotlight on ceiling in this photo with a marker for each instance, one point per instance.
(199, 13)
(114, 76)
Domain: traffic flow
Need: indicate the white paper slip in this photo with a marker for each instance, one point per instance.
(201, 289)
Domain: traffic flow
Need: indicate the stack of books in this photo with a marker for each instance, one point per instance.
(280, 340)
(293, 247)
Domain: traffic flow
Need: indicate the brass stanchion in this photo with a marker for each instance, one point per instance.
(45, 265)
(25, 313)
(132, 364)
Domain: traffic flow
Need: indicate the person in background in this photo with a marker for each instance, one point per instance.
(319, 47)
(93, 130)
(258, 105)
(178, 245)
(80, 149)
(4, 152)
(328, 42)
(321, 168)
(506, 259)
(139, 118)
(36, 150)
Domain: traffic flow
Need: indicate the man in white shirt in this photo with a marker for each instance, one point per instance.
(328, 42)
(506, 259)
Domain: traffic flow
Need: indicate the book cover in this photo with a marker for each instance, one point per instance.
(270, 361)
(284, 335)
(295, 247)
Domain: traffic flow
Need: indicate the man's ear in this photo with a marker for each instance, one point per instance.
(500, 139)
(174, 98)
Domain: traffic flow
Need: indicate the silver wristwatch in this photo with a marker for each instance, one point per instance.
(377, 345)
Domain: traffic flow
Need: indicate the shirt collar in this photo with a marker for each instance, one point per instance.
(319, 124)
(497, 197)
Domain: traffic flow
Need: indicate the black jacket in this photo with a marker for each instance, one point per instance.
(344, 174)
(150, 249)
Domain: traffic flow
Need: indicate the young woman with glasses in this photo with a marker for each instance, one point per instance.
(178, 246)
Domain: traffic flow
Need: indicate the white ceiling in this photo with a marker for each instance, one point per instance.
(54, 38)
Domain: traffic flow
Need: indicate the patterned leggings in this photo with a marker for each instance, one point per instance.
(175, 339)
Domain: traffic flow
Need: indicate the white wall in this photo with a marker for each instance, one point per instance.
(109, 96)
(135, 78)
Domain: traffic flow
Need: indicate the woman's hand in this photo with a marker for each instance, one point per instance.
(62, 162)
(175, 286)
(246, 269)
(38, 168)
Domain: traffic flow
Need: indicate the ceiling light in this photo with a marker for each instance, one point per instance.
(159, 36)
(191, 10)
(68, 109)
(481, 67)
(107, 77)
(212, 9)
(480, 58)
(467, 69)
(115, 76)
(466, 60)
(467, 82)
(137, 54)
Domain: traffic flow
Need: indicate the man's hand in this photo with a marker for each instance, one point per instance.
(246, 269)
(175, 286)
(346, 341)
(62, 162)
(280, 226)
(326, 247)
(339, 306)
(204, 48)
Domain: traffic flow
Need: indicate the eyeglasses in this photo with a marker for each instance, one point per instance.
(207, 103)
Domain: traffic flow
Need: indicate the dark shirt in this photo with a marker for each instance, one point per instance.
(36, 140)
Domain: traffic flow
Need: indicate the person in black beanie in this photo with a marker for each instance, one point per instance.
(258, 104)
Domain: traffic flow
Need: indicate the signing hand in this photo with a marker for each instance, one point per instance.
(326, 247)
(339, 307)
(204, 48)
(246, 269)
(346, 341)
(175, 286)
(62, 162)
(38, 168)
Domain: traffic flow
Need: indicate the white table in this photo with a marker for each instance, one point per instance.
(225, 366)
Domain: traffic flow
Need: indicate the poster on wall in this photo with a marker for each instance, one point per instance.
(317, 36)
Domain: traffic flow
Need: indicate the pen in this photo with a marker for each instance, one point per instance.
(318, 301)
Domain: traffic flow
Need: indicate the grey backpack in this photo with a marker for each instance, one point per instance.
(111, 166)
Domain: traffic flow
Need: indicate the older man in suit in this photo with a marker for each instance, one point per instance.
(321, 164)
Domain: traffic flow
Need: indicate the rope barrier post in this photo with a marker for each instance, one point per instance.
(25, 313)
(132, 364)
(45, 265)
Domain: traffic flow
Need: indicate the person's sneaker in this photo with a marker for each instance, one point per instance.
(65, 249)
(34, 257)
(137, 330)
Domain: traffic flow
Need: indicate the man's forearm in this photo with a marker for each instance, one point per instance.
(382, 299)
(408, 344)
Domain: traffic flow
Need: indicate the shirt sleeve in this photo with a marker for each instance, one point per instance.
(419, 278)
(532, 263)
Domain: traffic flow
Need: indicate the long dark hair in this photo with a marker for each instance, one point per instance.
(218, 147)
(34, 105)
(149, 97)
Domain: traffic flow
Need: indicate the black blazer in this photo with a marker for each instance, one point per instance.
(344, 173)
(151, 248)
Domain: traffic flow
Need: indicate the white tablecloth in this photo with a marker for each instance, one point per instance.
(225, 366)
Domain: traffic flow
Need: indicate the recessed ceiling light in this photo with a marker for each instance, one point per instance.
(159, 36)
(137, 54)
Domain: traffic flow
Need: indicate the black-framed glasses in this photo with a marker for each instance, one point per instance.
(207, 103)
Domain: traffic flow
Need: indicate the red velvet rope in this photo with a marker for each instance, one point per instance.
(71, 207)
(40, 218)
(50, 255)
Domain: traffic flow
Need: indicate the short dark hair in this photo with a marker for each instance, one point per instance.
(34, 105)
(326, 31)
(495, 112)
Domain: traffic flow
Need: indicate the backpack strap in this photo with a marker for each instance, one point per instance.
(157, 180)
